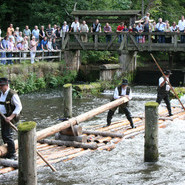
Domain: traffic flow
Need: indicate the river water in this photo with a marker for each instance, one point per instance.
(123, 165)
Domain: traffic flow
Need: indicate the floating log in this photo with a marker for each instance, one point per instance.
(9, 163)
(104, 134)
(6, 170)
(81, 139)
(76, 131)
(75, 144)
(66, 124)
(83, 117)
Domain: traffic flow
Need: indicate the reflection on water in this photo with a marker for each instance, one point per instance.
(124, 164)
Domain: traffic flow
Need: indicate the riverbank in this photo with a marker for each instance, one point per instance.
(26, 78)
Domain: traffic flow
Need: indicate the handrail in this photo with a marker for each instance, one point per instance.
(21, 57)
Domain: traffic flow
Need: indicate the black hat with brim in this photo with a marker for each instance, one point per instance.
(167, 72)
(4, 81)
(125, 82)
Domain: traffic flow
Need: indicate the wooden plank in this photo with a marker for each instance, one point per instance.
(80, 42)
(110, 43)
(134, 41)
(105, 13)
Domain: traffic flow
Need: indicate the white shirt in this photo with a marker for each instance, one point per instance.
(123, 93)
(75, 26)
(160, 26)
(161, 80)
(15, 101)
(181, 25)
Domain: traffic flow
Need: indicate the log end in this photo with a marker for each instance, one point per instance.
(26, 126)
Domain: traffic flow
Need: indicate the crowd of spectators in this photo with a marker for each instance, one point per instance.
(47, 39)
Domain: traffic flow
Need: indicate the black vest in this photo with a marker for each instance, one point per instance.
(162, 90)
(9, 106)
(119, 91)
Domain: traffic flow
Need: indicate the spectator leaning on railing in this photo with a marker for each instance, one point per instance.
(33, 48)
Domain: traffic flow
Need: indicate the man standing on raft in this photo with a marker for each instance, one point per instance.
(121, 91)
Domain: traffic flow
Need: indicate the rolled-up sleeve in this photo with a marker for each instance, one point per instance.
(18, 105)
(116, 94)
(130, 95)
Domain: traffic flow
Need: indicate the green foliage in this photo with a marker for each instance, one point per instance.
(94, 57)
(30, 85)
(26, 126)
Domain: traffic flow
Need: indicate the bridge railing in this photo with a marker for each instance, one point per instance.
(25, 55)
(152, 41)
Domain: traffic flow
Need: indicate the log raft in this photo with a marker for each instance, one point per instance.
(55, 153)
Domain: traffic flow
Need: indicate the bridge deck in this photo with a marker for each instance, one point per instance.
(54, 153)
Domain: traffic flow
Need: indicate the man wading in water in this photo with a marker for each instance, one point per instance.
(10, 106)
(121, 91)
(163, 91)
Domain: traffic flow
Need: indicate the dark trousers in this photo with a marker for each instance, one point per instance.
(166, 99)
(124, 110)
(182, 37)
(7, 136)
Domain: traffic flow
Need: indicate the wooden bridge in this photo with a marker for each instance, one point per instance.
(97, 42)
(98, 138)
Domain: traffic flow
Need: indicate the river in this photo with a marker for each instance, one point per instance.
(123, 165)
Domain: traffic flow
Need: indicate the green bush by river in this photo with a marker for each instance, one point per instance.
(26, 78)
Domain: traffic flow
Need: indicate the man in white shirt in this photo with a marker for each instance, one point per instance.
(10, 106)
(75, 26)
(160, 26)
(120, 91)
(163, 91)
(181, 26)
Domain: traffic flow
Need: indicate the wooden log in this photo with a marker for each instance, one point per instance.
(9, 163)
(75, 144)
(104, 134)
(151, 132)
(163, 118)
(67, 100)
(81, 139)
(83, 117)
(6, 170)
(27, 153)
(66, 124)
(76, 131)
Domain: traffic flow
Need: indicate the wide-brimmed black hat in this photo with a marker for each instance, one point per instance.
(124, 82)
(167, 72)
(4, 81)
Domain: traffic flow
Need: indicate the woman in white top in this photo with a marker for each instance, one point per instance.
(33, 48)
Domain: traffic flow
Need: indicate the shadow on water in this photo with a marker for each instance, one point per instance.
(123, 165)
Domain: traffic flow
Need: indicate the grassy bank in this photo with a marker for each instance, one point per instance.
(26, 78)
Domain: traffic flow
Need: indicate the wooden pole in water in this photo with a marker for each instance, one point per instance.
(67, 100)
(151, 132)
(27, 153)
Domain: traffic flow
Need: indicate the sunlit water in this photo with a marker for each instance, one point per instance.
(124, 164)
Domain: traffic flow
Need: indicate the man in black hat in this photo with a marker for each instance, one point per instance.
(120, 91)
(10, 106)
(163, 91)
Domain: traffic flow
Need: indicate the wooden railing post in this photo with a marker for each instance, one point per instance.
(42, 55)
(151, 132)
(27, 153)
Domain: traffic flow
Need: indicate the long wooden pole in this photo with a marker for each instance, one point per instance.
(39, 154)
(72, 121)
(167, 81)
(83, 117)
